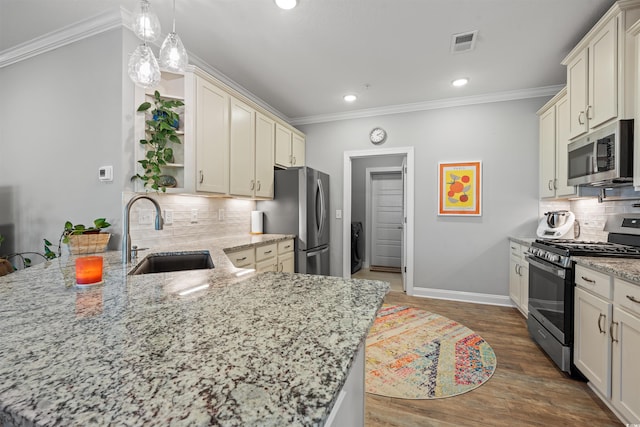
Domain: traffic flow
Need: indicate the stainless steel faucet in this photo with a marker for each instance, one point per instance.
(126, 241)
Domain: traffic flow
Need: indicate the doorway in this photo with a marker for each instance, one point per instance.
(407, 222)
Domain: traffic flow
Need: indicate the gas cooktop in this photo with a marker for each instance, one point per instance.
(588, 248)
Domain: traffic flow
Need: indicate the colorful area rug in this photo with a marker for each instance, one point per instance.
(414, 354)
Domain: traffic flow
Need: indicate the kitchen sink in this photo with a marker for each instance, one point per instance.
(173, 261)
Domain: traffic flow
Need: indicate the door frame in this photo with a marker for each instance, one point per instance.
(368, 187)
(346, 207)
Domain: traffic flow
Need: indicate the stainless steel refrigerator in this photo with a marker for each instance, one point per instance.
(301, 207)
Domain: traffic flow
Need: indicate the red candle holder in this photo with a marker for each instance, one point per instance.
(89, 270)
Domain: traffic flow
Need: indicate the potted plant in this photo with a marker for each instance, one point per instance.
(161, 129)
(81, 239)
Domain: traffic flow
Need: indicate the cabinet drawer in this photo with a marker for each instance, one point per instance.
(266, 251)
(515, 248)
(627, 295)
(242, 258)
(596, 282)
(286, 246)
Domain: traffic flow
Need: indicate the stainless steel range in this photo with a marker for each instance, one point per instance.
(551, 283)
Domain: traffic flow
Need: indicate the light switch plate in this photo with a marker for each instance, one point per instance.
(194, 215)
(338, 213)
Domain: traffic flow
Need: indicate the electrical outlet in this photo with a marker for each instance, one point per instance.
(220, 214)
(168, 216)
(146, 217)
(194, 215)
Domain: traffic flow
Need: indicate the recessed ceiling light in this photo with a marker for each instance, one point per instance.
(349, 98)
(286, 4)
(460, 82)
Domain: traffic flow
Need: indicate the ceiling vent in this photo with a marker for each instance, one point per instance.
(463, 42)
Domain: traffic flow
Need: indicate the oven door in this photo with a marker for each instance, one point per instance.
(550, 296)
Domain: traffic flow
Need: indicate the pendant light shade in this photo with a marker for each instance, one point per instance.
(143, 67)
(145, 23)
(173, 55)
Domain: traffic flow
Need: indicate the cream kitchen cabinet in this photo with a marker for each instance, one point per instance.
(554, 138)
(267, 257)
(600, 73)
(286, 259)
(607, 339)
(277, 257)
(290, 147)
(212, 137)
(519, 277)
(251, 152)
(245, 258)
(242, 149)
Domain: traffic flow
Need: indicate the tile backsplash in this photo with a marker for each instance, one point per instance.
(592, 215)
(216, 217)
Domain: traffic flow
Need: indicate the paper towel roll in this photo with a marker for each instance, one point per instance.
(256, 222)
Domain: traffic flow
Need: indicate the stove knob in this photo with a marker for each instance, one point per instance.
(554, 258)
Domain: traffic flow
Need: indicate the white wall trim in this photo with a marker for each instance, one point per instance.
(346, 207)
(472, 297)
(367, 186)
(431, 105)
(80, 30)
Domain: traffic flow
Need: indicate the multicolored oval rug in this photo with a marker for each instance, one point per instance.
(414, 354)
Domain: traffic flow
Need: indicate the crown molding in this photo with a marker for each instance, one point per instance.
(431, 105)
(89, 27)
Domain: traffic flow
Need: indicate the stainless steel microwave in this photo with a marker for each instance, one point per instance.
(604, 157)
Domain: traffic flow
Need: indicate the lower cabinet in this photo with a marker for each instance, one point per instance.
(348, 410)
(519, 276)
(277, 257)
(607, 339)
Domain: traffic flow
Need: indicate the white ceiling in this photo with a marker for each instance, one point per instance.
(302, 61)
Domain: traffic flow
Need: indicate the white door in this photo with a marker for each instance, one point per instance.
(386, 220)
(403, 246)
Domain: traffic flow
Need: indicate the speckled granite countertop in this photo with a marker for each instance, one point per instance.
(523, 240)
(268, 349)
(624, 268)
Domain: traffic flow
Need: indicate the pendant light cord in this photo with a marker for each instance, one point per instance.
(174, 16)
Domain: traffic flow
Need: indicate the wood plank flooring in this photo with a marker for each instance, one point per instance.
(526, 390)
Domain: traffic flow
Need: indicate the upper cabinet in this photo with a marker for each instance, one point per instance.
(290, 148)
(600, 72)
(229, 145)
(554, 139)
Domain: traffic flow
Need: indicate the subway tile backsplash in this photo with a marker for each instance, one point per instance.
(216, 217)
(592, 215)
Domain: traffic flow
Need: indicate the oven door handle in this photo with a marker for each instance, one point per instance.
(556, 271)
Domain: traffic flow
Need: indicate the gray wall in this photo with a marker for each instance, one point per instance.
(451, 253)
(61, 118)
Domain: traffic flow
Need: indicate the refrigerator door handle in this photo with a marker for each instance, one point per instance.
(323, 213)
(318, 252)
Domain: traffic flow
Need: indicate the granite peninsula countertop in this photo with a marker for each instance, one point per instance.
(270, 349)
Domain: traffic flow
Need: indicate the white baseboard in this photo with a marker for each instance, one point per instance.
(473, 297)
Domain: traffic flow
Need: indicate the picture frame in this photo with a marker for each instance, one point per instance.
(460, 188)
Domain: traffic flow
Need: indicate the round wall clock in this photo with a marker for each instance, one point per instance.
(377, 135)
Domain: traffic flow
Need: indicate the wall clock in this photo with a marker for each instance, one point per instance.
(378, 135)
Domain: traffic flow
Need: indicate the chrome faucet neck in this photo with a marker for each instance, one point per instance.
(126, 240)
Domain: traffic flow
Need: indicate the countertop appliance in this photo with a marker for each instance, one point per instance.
(551, 283)
(301, 206)
(604, 157)
(556, 225)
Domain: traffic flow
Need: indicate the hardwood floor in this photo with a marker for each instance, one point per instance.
(394, 279)
(526, 390)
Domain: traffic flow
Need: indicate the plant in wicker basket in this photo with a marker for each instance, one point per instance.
(81, 239)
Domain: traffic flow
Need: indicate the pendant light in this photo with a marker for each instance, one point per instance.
(143, 67)
(173, 55)
(145, 23)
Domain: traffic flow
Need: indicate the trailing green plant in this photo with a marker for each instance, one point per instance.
(161, 129)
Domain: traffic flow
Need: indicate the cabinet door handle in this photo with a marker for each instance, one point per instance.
(602, 331)
(201, 177)
(294, 160)
(258, 187)
(589, 116)
(611, 331)
(241, 259)
(252, 185)
(555, 184)
(550, 184)
(515, 268)
(586, 279)
(632, 298)
(280, 268)
(268, 252)
(580, 117)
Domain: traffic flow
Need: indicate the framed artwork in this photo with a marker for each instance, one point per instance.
(460, 188)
